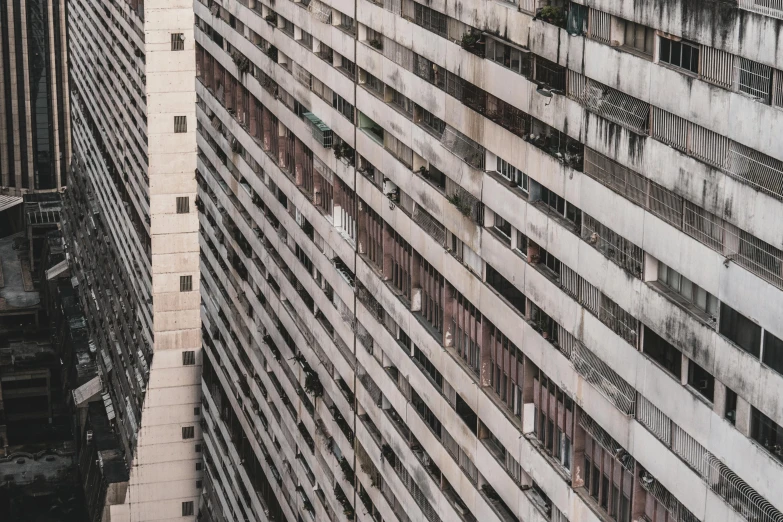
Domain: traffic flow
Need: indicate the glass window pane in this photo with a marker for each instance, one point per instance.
(695, 59)
(676, 53)
(665, 50)
(686, 288)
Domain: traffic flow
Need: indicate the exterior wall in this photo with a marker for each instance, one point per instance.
(134, 235)
(335, 380)
(34, 111)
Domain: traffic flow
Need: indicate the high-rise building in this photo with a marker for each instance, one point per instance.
(490, 260)
(132, 233)
(34, 123)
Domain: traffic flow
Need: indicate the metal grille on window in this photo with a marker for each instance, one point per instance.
(762, 171)
(467, 149)
(606, 381)
(599, 25)
(612, 104)
(717, 66)
(605, 440)
(321, 11)
(185, 283)
(755, 78)
(669, 129)
(177, 42)
(183, 205)
(188, 358)
(180, 124)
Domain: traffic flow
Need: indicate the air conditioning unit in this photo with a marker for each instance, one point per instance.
(89, 436)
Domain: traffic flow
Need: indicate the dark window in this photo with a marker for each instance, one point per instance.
(187, 508)
(639, 38)
(198, 466)
(680, 54)
(662, 352)
(177, 42)
(504, 227)
(180, 124)
(506, 289)
(773, 352)
(197, 411)
(740, 330)
(188, 432)
(767, 433)
(188, 358)
(198, 484)
(185, 283)
(730, 413)
(701, 380)
(183, 205)
(198, 448)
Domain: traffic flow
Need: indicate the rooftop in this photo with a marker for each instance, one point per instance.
(16, 283)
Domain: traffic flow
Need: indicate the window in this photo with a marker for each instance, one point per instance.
(430, 122)
(521, 243)
(701, 380)
(196, 411)
(342, 106)
(198, 448)
(198, 466)
(691, 293)
(515, 176)
(767, 433)
(180, 124)
(466, 323)
(773, 352)
(507, 373)
(607, 480)
(187, 508)
(199, 484)
(662, 352)
(679, 54)
(306, 39)
(639, 38)
(183, 205)
(185, 283)
(177, 42)
(730, 411)
(401, 101)
(509, 57)
(188, 358)
(188, 432)
(506, 289)
(740, 330)
(504, 227)
(347, 23)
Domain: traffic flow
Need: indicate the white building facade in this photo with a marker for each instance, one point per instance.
(486, 260)
(132, 232)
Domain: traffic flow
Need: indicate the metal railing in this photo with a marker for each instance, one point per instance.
(773, 8)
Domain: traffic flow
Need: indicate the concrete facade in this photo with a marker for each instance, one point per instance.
(132, 235)
(487, 260)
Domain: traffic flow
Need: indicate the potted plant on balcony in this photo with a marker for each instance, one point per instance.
(553, 15)
(313, 384)
(271, 52)
(375, 44)
(271, 19)
(461, 203)
(472, 42)
(388, 454)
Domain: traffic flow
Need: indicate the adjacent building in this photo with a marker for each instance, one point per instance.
(35, 145)
(490, 260)
(132, 245)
